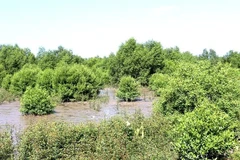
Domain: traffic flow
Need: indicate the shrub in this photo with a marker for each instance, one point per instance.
(6, 82)
(180, 96)
(45, 79)
(24, 78)
(102, 76)
(158, 81)
(128, 89)
(205, 133)
(75, 82)
(133, 137)
(36, 101)
(5, 96)
(51, 140)
(191, 83)
(6, 145)
(3, 73)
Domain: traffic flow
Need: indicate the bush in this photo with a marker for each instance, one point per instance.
(24, 78)
(6, 82)
(6, 96)
(45, 79)
(51, 140)
(158, 81)
(36, 101)
(128, 89)
(75, 82)
(180, 96)
(102, 76)
(6, 145)
(205, 133)
(191, 83)
(133, 137)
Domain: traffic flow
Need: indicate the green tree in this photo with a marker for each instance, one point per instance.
(6, 82)
(191, 83)
(158, 81)
(50, 59)
(36, 101)
(205, 133)
(24, 78)
(100, 67)
(210, 55)
(13, 58)
(128, 89)
(75, 82)
(139, 61)
(3, 73)
(45, 80)
(121, 63)
(233, 58)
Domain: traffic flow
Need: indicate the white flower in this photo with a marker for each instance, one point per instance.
(128, 124)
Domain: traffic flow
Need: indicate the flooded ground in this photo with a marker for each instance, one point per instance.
(76, 112)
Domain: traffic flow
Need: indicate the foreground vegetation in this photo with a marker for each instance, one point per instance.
(202, 134)
(6, 144)
(132, 137)
(196, 113)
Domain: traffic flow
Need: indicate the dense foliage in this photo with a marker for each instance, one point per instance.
(136, 60)
(190, 84)
(50, 59)
(24, 78)
(158, 81)
(128, 89)
(45, 80)
(36, 101)
(75, 82)
(205, 133)
(118, 138)
(13, 58)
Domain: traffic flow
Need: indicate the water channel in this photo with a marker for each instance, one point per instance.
(79, 112)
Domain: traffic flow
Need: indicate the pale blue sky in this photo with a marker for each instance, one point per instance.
(98, 27)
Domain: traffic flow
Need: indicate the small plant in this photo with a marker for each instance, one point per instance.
(36, 101)
(6, 144)
(205, 133)
(6, 96)
(128, 89)
(97, 102)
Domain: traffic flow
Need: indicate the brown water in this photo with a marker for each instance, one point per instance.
(77, 112)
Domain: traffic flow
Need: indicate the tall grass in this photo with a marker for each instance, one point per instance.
(6, 96)
(98, 101)
(6, 144)
(132, 137)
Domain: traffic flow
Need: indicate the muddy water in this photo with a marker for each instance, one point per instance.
(77, 112)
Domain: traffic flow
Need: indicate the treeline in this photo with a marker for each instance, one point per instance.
(133, 59)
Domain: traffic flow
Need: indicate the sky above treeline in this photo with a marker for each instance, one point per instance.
(98, 27)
